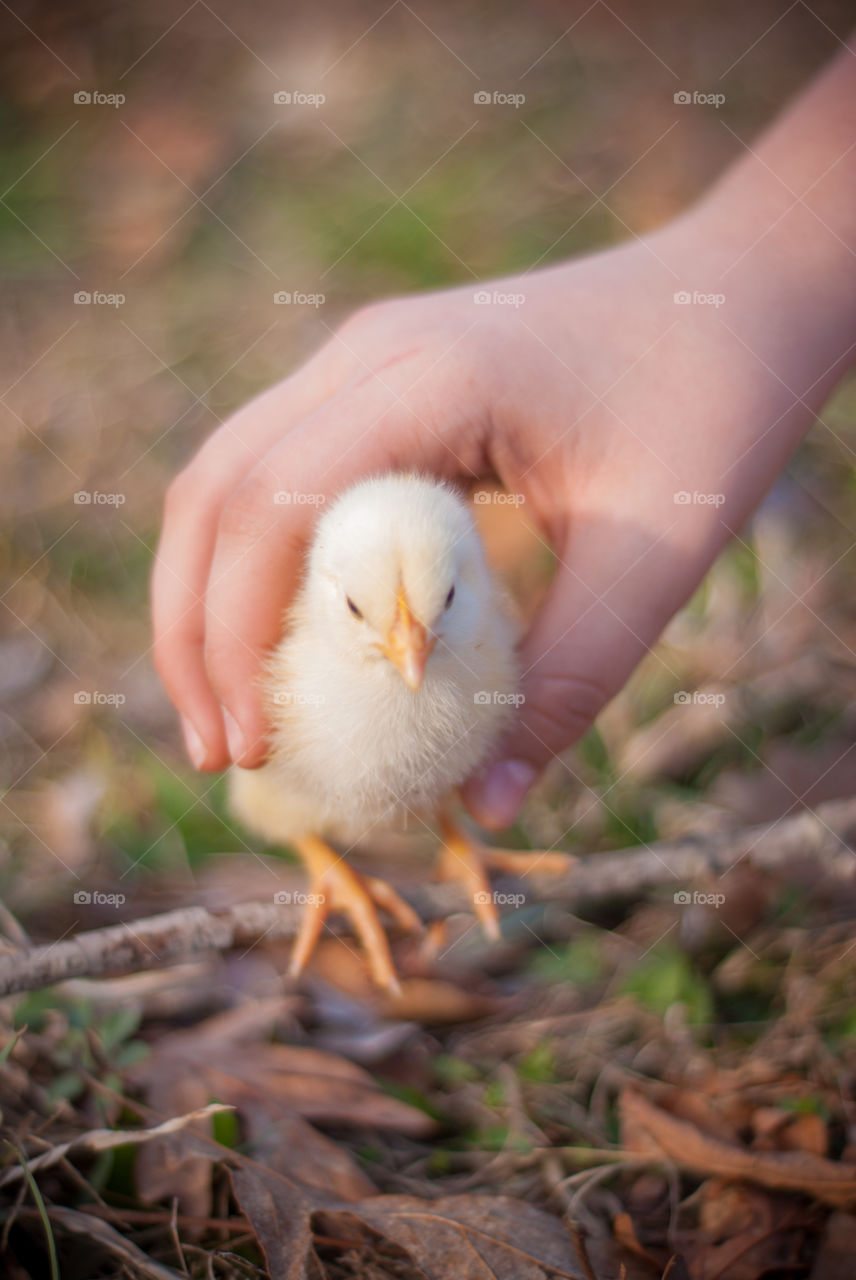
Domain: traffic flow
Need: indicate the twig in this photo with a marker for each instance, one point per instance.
(825, 839)
(582, 1252)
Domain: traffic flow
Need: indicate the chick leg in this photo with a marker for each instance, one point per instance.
(465, 859)
(337, 887)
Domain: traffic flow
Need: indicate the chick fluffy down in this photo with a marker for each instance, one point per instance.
(352, 748)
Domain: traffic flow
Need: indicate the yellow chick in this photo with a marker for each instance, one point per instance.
(393, 680)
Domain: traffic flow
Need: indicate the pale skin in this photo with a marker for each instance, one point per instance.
(598, 398)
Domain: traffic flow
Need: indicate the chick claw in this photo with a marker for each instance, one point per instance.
(467, 860)
(335, 886)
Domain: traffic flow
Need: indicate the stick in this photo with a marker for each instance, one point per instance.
(823, 840)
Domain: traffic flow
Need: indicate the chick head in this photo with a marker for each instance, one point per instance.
(397, 569)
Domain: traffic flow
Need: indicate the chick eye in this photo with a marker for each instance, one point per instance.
(450, 597)
(353, 608)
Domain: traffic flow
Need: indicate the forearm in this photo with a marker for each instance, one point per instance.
(784, 222)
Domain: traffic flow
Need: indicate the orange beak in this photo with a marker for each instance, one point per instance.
(408, 645)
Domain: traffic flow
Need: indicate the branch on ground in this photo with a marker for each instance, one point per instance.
(824, 839)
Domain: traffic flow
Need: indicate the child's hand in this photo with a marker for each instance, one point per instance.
(600, 398)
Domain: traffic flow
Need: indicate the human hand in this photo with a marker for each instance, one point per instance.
(599, 398)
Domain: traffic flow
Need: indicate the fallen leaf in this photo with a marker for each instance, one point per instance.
(745, 1232)
(647, 1127)
(97, 1140)
(311, 1082)
(166, 1168)
(291, 1143)
(275, 1090)
(777, 1130)
(120, 1248)
(279, 1214)
(466, 1237)
(624, 1231)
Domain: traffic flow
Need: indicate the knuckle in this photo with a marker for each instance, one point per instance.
(171, 640)
(250, 509)
(164, 658)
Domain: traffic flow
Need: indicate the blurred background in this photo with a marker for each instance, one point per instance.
(166, 172)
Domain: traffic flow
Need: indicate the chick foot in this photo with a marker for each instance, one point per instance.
(467, 860)
(335, 886)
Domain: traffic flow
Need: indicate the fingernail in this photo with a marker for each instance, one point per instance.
(501, 792)
(234, 735)
(196, 748)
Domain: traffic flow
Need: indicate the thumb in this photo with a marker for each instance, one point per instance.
(611, 597)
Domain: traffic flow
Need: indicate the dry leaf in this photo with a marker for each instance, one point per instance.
(105, 1140)
(101, 1233)
(315, 1084)
(165, 1168)
(467, 1237)
(279, 1214)
(291, 1143)
(647, 1127)
(744, 1233)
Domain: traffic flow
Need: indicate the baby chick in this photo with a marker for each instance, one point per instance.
(390, 686)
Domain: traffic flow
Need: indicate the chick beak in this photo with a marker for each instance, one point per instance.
(408, 645)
